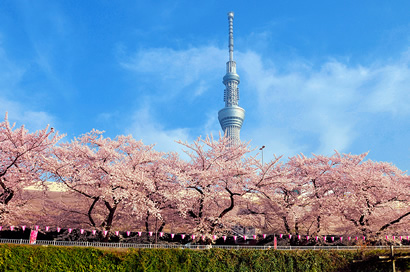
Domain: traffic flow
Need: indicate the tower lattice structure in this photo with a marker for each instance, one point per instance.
(231, 116)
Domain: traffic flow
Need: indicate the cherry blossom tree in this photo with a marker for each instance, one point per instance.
(286, 198)
(165, 192)
(341, 194)
(110, 174)
(374, 197)
(215, 178)
(122, 183)
(317, 182)
(22, 159)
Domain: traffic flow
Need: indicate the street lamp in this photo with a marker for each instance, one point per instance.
(261, 149)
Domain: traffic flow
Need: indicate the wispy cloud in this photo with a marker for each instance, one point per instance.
(146, 128)
(19, 112)
(331, 102)
(10, 73)
(23, 115)
(169, 77)
(175, 70)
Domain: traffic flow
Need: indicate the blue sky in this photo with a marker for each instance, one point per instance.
(315, 75)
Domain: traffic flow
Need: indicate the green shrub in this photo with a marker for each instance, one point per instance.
(48, 258)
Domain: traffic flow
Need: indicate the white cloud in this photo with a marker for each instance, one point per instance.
(10, 74)
(146, 128)
(183, 75)
(178, 69)
(391, 90)
(327, 103)
(10, 77)
(23, 115)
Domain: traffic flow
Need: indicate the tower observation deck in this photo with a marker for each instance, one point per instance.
(231, 116)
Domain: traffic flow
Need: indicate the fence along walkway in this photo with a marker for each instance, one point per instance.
(189, 246)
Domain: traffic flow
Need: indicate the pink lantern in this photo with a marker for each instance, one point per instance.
(254, 237)
(105, 232)
(172, 236)
(244, 237)
(394, 237)
(37, 227)
(82, 231)
(117, 233)
(298, 237)
(139, 233)
(161, 234)
(94, 231)
(400, 238)
(357, 238)
(58, 229)
(224, 238)
(341, 239)
(307, 237)
(1, 227)
(150, 233)
(281, 236)
(290, 236)
(214, 237)
(128, 233)
(193, 236)
(70, 230)
(364, 238)
(349, 238)
(333, 239)
(234, 238)
(264, 236)
(407, 235)
(23, 227)
(317, 238)
(11, 228)
(183, 236)
(47, 228)
(324, 238)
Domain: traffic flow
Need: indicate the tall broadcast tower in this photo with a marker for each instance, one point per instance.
(231, 116)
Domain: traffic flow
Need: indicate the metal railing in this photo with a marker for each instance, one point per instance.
(191, 246)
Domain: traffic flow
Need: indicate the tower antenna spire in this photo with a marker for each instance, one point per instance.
(230, 18)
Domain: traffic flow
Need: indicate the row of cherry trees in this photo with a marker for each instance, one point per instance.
(122, 184)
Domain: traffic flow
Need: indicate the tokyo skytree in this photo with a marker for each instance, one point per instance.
(231, 116)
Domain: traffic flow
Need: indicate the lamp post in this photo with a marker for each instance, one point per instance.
(261, 149)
